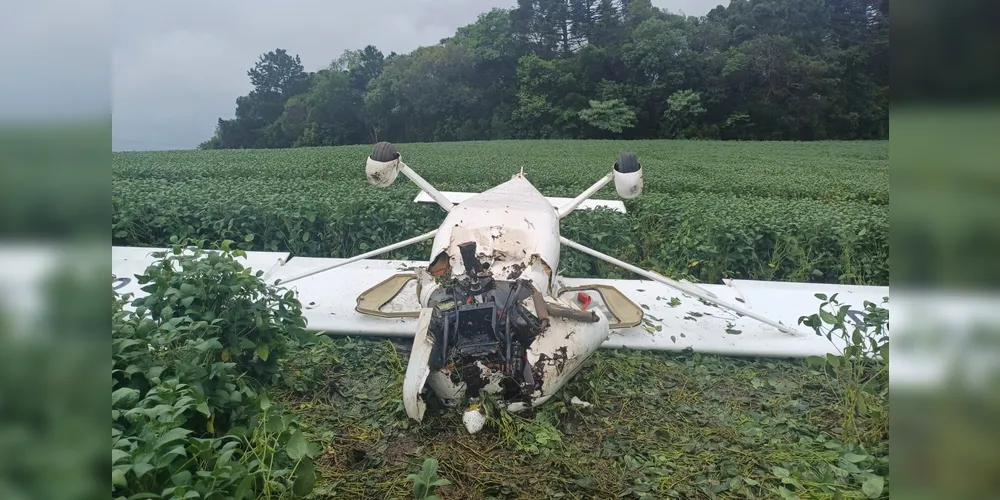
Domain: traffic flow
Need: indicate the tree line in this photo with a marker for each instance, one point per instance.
(591, 69)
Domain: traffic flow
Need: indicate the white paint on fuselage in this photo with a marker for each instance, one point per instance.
(516, 231)
(510, 224)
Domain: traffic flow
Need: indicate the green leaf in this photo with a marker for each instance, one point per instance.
(263, 352)
(182, 478)
(828, 318)
(833, 360)
(297, 447)
(172, 435)
(178, 450)
(815, 361)
(144, 496)
(208, 344)
(854, 458)
(117, 455)
(126, 396)
(204, 409)
(873, 486)
(305, 478)
(787, 494)
(264, 402)
(141, 469)
(118, 478)
(245, 488)
(779, 471)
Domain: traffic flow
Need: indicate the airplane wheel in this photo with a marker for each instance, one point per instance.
(384, 151)
(627, 163)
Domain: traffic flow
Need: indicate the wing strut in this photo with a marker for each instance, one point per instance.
(691, 290)
(426, 187)
(566, 209)
(377, 251)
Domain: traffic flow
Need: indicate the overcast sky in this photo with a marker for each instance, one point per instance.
(178, 66)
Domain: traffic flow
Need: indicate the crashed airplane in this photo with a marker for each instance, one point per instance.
(489, 315)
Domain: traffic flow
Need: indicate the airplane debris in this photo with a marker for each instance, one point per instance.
(489, 317)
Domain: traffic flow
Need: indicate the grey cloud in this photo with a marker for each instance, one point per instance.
(178, 66)
(55, 60)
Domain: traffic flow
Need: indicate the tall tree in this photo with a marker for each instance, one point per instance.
(276, 77)
(753, 69)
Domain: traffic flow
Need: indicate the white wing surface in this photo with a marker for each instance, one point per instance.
(672, 321)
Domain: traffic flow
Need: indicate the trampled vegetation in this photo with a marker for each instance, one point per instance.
(218, 394)
(213, 402)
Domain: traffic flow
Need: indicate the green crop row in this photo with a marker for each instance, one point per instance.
(703, 236)
(820, 170)
(711, 237)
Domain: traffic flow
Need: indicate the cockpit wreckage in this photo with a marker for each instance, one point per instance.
(488, 314)
(501, 336)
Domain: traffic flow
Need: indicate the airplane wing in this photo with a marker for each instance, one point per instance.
(670, 320)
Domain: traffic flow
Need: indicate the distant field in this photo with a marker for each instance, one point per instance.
(758, 210)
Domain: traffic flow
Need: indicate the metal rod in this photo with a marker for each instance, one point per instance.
(377, 251)
(678, 285)
(569, 207)
(426, 187)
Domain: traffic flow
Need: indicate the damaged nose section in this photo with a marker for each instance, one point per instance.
(505, 338)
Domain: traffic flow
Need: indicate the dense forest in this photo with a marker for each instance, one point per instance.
(591, 69)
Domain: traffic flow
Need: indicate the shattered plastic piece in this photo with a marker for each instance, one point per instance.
(579, 402)
(473, 419)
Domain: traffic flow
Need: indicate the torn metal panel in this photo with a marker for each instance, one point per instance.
(417, 369)
(559, 353)
(510, 224)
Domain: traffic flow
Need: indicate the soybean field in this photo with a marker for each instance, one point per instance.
(815, 212)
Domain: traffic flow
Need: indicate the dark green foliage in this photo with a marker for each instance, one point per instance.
(803, 212)
(588, 69)
(728, 236)
(190, 417)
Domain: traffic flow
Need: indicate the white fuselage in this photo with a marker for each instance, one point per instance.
(516, 231)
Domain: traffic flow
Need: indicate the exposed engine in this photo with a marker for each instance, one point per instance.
(482, 330)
